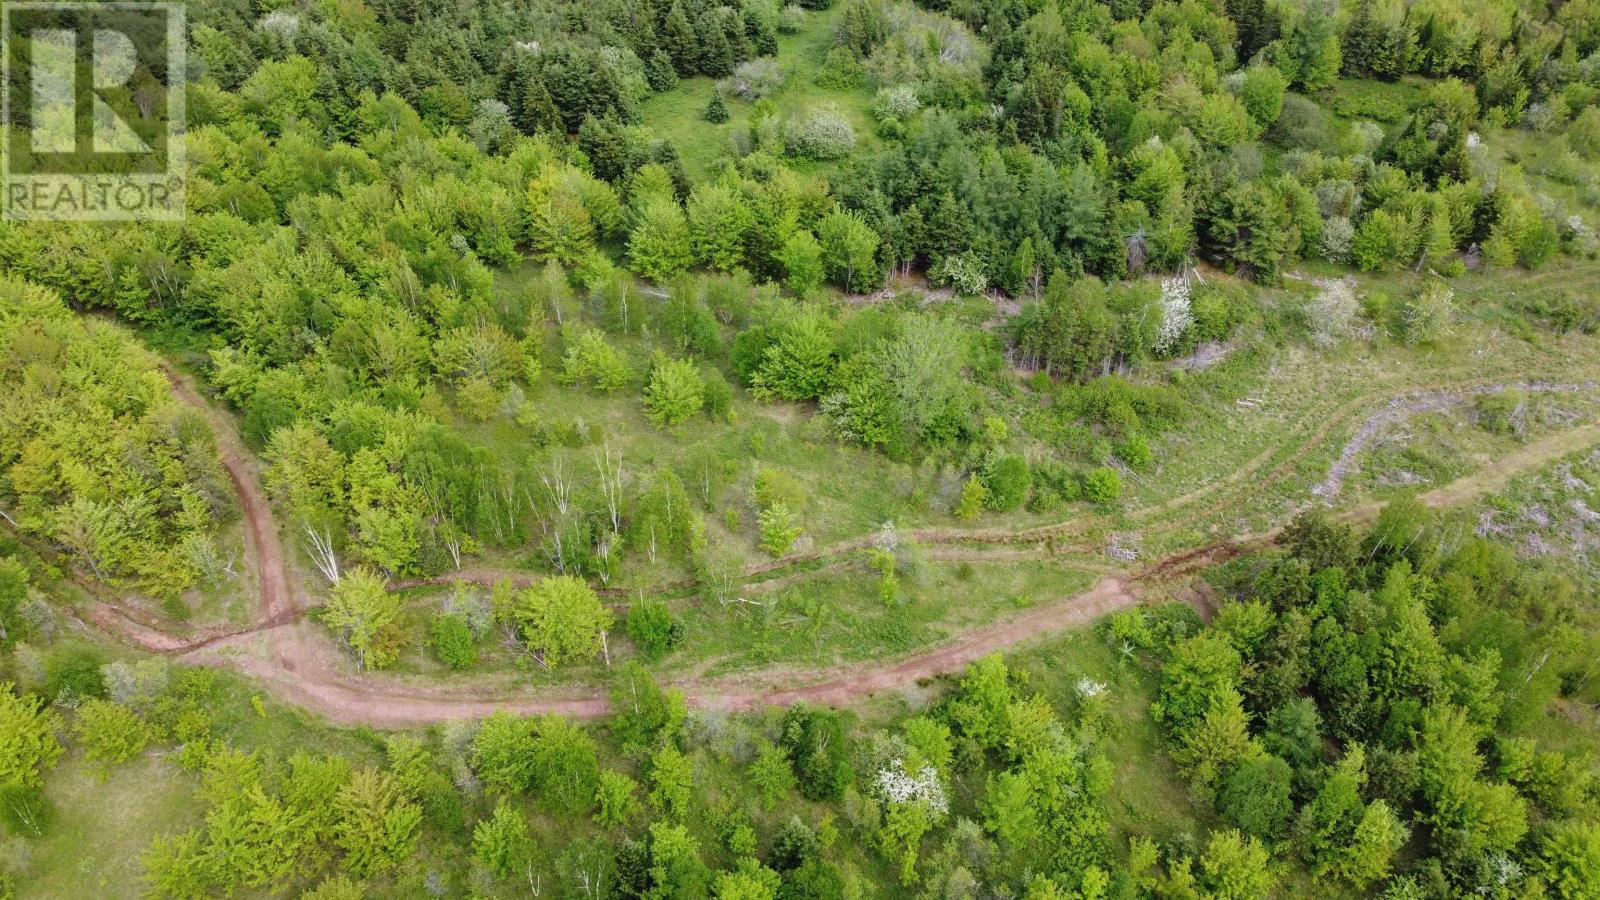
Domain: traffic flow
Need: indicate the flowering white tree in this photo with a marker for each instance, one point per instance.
(1337, 235)
(913, 804)
(963, 272)
(1176, 314)
(899, 786)
(1332, 313)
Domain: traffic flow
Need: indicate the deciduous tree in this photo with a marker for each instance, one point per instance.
(367, 616)
(560, 619)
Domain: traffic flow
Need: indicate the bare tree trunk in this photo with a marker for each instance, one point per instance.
(319, 546)
(610, 466)
(557, 486)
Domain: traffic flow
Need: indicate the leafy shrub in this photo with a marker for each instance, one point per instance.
(1426, 317)
(779, 530)
(647, 715)
(974, 496)
(963, 272)
(1256, 797)
(136, 684)
(590, 359)
(1120, 407)
(1584, 132)
(674, 392)
(659, 245)
(747, 353)
(1302, 124)
(1217, 312)
(654, 628)
(896, 101)
(1261, 90)
(1006, 481)
(840, 70)
(794, 845)
(849, 251)
(755, 78)
(1331, 314)
(822, 133)
(1102, 485)
(74, 675)
(1054, 484)
(1337, 237)
(452, 642)
(801, 258)
(718, 396)
(816, 742)
(1135, 451)
(110, 733)
(1501, 412)
(774, 485)
(1377, 241)
(25, 810)
(791, 19)
(798, 362)
(717, 110)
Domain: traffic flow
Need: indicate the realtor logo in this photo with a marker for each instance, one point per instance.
(91, 102)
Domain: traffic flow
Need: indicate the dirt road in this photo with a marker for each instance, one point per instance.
(328, 686)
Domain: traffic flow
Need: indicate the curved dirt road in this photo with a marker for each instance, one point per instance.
(297, 663)
(319, 683)
(264, 549)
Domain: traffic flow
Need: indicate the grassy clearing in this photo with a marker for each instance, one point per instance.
(1387, 102)
(102, 825)
(1293, 393)
(678, 115)
(832, 619)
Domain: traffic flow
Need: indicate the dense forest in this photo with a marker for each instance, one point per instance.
(647, 354)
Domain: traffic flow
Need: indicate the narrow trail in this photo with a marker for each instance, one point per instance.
(297, 663)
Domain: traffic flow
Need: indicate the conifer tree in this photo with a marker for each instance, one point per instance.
(717, 109)
(679, 41)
